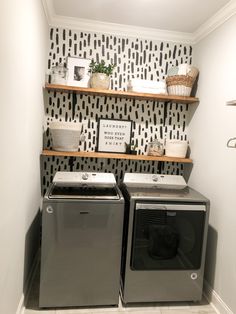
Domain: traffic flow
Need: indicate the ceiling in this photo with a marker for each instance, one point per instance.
(172, 15)
(186, 17)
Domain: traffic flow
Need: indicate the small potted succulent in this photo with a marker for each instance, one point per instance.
(131, 149)
(101, 73)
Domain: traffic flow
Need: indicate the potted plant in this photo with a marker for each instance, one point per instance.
(101, 73)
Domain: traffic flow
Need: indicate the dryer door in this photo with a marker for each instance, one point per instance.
(167, 236)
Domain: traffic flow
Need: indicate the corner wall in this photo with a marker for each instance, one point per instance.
(24, 37)
(214, 170)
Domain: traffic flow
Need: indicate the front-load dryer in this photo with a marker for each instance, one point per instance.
(164, 241)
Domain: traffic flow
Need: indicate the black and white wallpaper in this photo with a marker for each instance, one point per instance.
(135, 58)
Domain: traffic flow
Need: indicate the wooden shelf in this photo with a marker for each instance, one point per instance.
(115, 156)
(122, 94)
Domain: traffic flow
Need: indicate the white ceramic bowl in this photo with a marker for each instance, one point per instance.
(65, 136)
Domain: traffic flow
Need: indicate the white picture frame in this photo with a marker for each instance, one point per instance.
(78, 71)
(113, 135)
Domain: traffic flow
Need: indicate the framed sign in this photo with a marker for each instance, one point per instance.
(78, 74)
(113, 135)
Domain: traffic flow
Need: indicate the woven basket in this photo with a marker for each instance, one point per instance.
(180, 85)
(193, 72)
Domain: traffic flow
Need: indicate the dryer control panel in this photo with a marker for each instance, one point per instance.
(143, 180)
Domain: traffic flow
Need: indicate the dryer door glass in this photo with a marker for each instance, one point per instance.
(167, 236)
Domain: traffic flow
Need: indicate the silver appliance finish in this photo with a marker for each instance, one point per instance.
(154, 285)
(81, 246)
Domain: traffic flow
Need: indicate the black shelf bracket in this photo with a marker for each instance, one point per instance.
(74, 102)
(160, 167)
(165, 112)
(71, 163)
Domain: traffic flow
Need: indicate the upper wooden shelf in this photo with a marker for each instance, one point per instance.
(115, 156)
(122, 94)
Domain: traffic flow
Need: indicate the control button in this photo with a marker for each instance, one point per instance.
(155, 178)
(85, 176)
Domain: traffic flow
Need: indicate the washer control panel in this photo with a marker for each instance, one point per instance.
(64, 178)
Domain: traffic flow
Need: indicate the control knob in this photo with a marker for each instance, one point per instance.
(85, 176)
(155, 178)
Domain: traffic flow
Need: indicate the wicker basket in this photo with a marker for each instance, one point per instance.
(180, 85)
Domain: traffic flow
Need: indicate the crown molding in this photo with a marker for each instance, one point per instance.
(204, 30)
(121, 29)
(49, 10)
(215, 21)
(112, 28)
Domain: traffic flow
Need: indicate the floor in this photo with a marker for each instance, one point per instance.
(157, 308)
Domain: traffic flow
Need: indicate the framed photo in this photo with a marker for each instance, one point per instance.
(113, 135)
(78, 74)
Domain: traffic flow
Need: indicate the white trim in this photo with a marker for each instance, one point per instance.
(28, 284)
(21, 307)
(120, 29)
(140, 32)
(215, 21)
(49, 10)
(215, 300)
(88, 25)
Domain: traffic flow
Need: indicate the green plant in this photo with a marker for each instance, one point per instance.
(130, 148)
(101, 67)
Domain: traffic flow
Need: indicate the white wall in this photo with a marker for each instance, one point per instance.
(214, 171)
(23, 38)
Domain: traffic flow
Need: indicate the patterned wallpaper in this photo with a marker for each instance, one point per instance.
(135, 58)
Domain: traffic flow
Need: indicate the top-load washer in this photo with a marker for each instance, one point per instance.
(164, 242)
(82, 223)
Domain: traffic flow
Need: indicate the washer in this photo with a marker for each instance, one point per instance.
(164, 243)
(82, 223)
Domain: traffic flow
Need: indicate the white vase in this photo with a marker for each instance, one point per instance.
(100, 81)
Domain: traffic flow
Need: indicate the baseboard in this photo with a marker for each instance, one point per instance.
(215, 300)
(28, 283)
(21, 307)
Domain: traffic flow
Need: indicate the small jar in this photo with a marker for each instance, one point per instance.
(59, 74)
(155, 148)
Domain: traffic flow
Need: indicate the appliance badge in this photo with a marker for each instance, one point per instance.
(49, 210)
(171, 214)
(194, 276)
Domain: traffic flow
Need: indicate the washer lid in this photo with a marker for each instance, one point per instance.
(83, 192)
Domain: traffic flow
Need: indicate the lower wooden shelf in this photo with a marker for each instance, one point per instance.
(115, 156)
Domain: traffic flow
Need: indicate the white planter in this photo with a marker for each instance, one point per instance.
(100, 81)
(65, 136)
(176, 148)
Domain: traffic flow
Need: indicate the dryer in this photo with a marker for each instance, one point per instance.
(164, 242)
